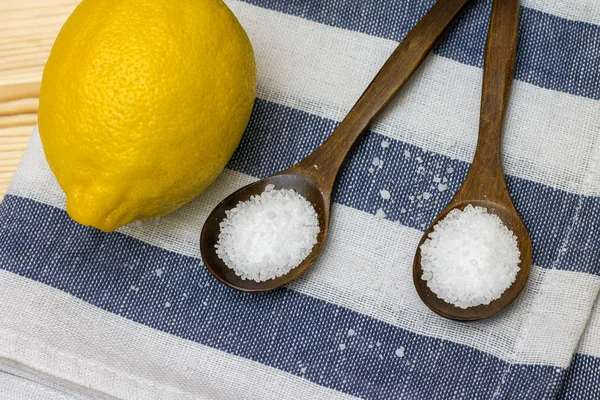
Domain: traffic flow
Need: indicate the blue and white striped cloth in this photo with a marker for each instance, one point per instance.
(135, 315)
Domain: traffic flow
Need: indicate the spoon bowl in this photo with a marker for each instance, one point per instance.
(510, 218)
(315, 176)
(304, 185)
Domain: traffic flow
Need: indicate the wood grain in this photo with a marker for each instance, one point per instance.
(27, 31)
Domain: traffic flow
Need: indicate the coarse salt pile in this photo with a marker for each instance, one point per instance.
(268, 235)
(470, 257)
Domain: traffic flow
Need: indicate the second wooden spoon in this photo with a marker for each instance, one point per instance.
(484, 185)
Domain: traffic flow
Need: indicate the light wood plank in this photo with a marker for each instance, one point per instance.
(28, 29)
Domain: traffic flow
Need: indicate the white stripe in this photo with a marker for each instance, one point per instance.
(366, 266)
(102, 351)
(549, 136)
(578, 10)
(590, 342)
(13, 387)
(19, 382)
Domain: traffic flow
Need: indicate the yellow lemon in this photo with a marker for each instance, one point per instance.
(142, 104)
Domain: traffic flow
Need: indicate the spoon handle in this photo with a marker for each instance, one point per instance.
(393, 75)
(498, 71)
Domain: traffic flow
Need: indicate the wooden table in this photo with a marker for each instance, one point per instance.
(27, 31)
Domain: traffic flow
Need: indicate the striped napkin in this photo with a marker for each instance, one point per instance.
(134, 314)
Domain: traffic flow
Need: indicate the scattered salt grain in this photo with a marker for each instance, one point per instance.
(158, 272)
(303, 370)
(421, 168)
(316, 166)
(380, 214)
(268, 235)
(385, 194)
(385, 144)
(381, 356)
(437, 179)
(444, 180)
(470, 258)
(351, 332)
(370, 346)
(375, 161)
(371, 169)
(449, 170)
(378, 344)
(426, 195)
(380, 164)
(403, 210)
(134, 288)
(419, 159)
(400, 352)
(411, 198)
(342, 346)
(407, 154)
(167, 304)
(442, 187)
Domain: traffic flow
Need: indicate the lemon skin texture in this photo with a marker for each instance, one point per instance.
(142, 104)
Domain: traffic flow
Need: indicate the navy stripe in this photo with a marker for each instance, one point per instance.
(561, 224)
(283, 329)
(553, 52)
(582, 380)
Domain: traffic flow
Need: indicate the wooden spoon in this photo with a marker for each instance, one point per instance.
(314, 176)
(484, 185)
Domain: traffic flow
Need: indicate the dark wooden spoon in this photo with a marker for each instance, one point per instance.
(484, 185)
(314, 176)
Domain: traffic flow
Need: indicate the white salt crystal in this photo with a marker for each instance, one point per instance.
(167, 304)
(449, 170)
(134, 288)
(342, 346)
(442, 187)
(370, 346)
(407, 154)
(375, 161)
(426, 195)
(470, 258)
(444, 180)
(380, 163)
(158, 272)
(400, 352)
(385, 194)
(381, 356)
(385, 144)
(371, 169)
(420, 168)
(269, 187)
(378, 344)
(351, 332)
(268, 235)
(380, 214)
(419, 159)
(437, 179)
(411, 198)
(316, 166)
(403, 210)
(303, 370)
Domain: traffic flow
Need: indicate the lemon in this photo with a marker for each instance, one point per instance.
(142, 104)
